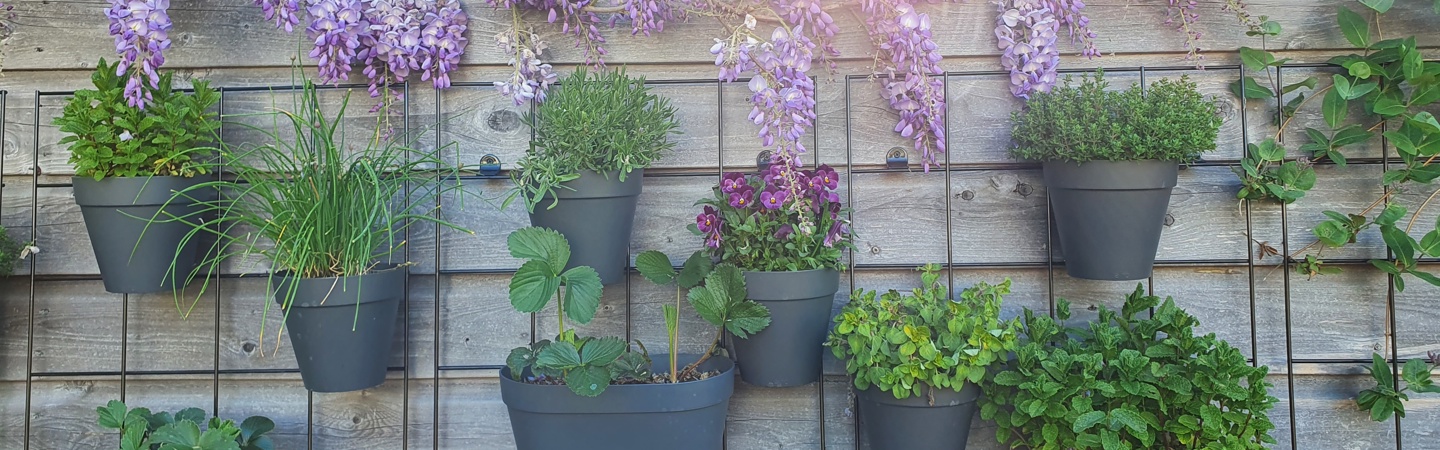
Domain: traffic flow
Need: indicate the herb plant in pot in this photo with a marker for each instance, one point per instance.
(129, 157)
(599, 393)
(918, 359)
(332, 221)
(1136, 378)
(786, 229)
(593, 138)
(1111, 159)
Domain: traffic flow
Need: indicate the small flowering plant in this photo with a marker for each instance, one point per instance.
(111, 137)
(782, 219)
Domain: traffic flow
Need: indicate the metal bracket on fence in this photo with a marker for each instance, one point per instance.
(489, 165)
(897, 158)
(762, 160)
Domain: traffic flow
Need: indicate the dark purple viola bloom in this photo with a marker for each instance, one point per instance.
(742, 199)
(733, 181)
(827, 177)
(712, 240)
(707, 222)
(772, 199)
(836, 233)
(784, 232)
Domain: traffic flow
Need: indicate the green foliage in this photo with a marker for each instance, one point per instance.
(1128, 382)
(110, 138)
(603, 122)
(142, 430)
(716, 292)
(10, 250)
(312, 204)
(1168, 120)
(1264, 173)
(586, 365)
(1387, 399)
(902, 343)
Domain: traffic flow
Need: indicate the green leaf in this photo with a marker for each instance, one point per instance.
(1360, 69)
(1380, 6)
(1087, 421)
(544, 244)
(1380, 371)
(1342, 86)
(602, 351)
(697, 267)
(655, 266)
(255, 426)
(582, 293)
(558, 355)
(1388, 106)
(184, 433)
(1430, 244)
(112, 415)
(1308, 83)
(1425, 276)
(747, 318)
(1334, 108)
(1356, 28)
(1255, 59)
(1412, 65)
(1130, 419)
(588, 381)
(191, 414)
(532, 286)
(1248, 88)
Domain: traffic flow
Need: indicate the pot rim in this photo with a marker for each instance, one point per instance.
(625, 398)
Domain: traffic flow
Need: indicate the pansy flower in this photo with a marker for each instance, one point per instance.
(772, 199)
(707, 221)
(732, 182)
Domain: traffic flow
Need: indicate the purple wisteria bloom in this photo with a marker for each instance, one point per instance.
(142, 34)
(1028, 30)
(285, 13)
(336, 26)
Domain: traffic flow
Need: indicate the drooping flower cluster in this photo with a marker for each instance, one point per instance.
(792, 219)
(782, 92)
(392, 38)
(1188, 13)
(1028, 31)
(530, 76)
(142, 34)
(909, 59)
(811, 15)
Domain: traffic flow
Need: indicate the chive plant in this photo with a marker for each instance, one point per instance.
(312, 206)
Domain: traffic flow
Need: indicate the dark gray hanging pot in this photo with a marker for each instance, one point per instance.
(340, 348)
(788, 352)
(596, 215)
(689, 415)
(916, 423)
(1109, 215)
(133, 253)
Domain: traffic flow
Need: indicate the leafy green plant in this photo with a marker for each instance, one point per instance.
(716, 292)
(1387, 399)
(11, 253)
(903, 343)
(314, 206)
(589, 365)
(1168, 120)
(1396, 88)
(596, 121)
(110, 138)
(1128, 382)
(142, 430)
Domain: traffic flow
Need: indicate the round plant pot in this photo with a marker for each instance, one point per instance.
(689, 415)
(788, 352)
(1109, 215)
(915, 423)
(133, 253)
(596, 215)
(342, 328)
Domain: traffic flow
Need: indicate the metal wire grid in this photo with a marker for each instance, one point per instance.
(852, 168)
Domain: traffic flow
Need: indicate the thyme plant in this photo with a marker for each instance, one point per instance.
(597, 121)
(1168, 120)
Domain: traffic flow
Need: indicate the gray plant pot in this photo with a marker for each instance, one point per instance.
(689, 415)
(788, 352)
(341, 348)
(915, 423)
(596, 215)
(133, 253)
(1109, 215)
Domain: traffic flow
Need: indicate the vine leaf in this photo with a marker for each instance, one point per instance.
(1248, 88)
(1380, 6)
(1356, 29)
(1334, 108)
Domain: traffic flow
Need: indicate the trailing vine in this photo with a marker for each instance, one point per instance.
(1394, 85)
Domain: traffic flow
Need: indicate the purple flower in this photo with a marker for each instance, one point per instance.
(713, 240)
(784, 232)
(772, 199)
(825, 177)
(741, 199)
(837, 233)
(732, 182)
(142, 34)
(707, 221)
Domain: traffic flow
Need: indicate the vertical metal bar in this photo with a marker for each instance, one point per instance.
(435, 302)
(720, 160)
(215, 378)
(34, 264)
(850, 197)
(1150, 280)
(949, 195)
(1249, 235)
(405, 312)
(1392, 338)
(124, 340)
(819, 386)
(1289, 338)
(309, 419)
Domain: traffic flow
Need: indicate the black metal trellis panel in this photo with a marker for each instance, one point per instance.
(852, 167)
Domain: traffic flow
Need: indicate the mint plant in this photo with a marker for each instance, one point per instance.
(716, 292)
(908, 344)
(1387, 399)
(597, 121)
(140, 429)
(1168, 120)
(166, 137)
(1128, 382)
